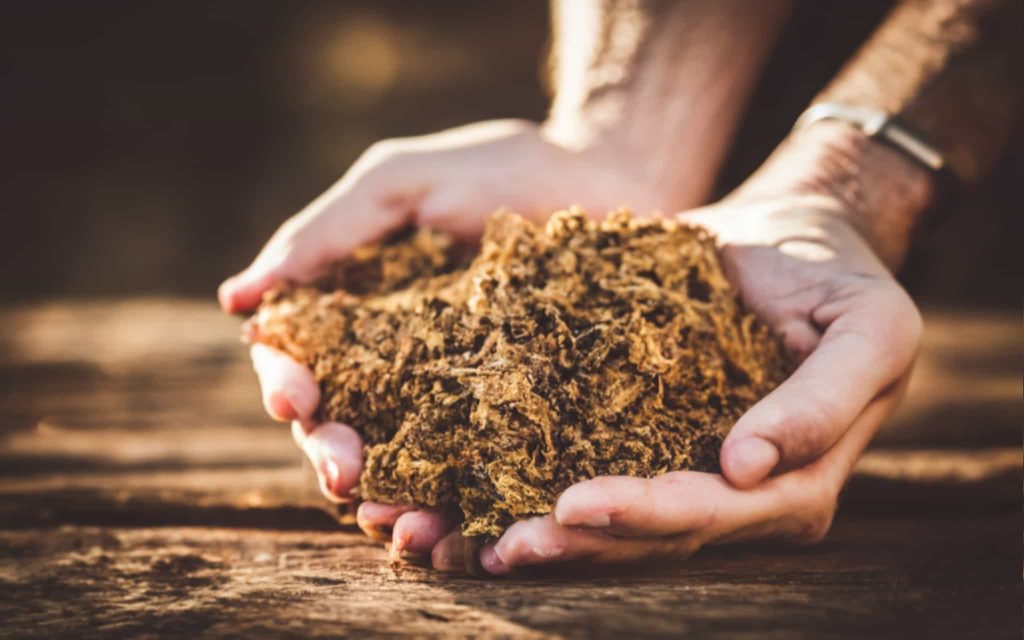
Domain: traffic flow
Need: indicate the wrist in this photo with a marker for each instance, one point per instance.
(634, 170)
(880, 191)
(606, 138)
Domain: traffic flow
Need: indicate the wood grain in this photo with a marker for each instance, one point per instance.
(143, 493)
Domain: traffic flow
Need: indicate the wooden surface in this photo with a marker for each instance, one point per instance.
(143, 492)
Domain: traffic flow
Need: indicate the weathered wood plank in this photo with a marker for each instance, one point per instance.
(886, 576)
(142, 491)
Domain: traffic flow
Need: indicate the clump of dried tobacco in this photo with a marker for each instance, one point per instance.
(555, 355)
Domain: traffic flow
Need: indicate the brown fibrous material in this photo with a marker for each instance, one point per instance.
(487, 385)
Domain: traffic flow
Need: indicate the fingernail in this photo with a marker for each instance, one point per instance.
(491, 561)
(753, 456)
(401, 542)
(547, 552)
(333, 474)
(340, 467)
(280, 406)
(596, 520)
(300, 404)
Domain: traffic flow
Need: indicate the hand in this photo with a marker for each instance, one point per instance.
(803, 269)
(803, 266)
(450, 180)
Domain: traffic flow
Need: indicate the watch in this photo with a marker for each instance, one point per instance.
(878, 125)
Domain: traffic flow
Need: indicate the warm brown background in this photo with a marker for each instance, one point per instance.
(150, 148)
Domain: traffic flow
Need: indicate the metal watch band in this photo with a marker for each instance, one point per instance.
(879, 125)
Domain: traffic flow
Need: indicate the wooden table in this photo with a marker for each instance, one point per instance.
(143, 492)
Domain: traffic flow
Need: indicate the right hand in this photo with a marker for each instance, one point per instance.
(452, 181)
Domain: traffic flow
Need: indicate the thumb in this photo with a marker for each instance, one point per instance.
(867, 346)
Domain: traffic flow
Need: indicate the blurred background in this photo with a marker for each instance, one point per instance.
(151, 148)
(148, 149)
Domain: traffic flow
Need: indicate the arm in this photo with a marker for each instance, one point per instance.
(646, 99)
(802, 240)
(829, 190)
(951, 69)
(658, 86)
(647, 95)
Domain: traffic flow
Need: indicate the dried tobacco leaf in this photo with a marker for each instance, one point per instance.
(557, 354)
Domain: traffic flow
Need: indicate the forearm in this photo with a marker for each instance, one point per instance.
(950, 69)
(877, 188)
(947, 67)
(658, 87)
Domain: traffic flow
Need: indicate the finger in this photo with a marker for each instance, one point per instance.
(297, 251)
(804, 501)
(336, 453)
(378, 520)
(417, 532)
(701, 507)
(290, 391)
(542, 540)
(455, 553)
(343, 218)
(447, 209)
(870, 340)
(682, 505)
(243, 291)
(671, 504)
(839, 461)
(798, 336)
(535, 541)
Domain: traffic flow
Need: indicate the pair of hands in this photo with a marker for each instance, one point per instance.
(794, 255)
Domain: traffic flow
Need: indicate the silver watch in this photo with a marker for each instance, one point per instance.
(876, 124)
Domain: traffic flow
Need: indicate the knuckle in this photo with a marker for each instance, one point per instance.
(802, 434)
(384, 153)
(679, 487)
(813, 423)
(516, 552)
